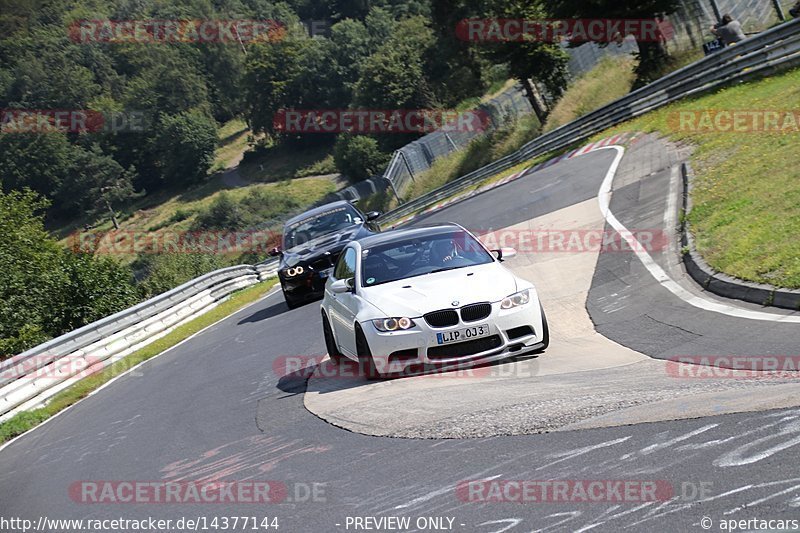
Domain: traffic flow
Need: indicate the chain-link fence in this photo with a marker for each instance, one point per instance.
(691, 25)
(692, 22)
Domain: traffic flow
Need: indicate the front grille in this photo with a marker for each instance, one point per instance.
(442, 319)
(475, 312)
(464, 349)
(521, 331)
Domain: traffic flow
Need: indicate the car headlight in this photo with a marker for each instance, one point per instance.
(516, 299)
(291, 272)
(393, 324)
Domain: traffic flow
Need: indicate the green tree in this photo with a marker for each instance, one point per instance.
(45, 290)
(95, 287)
(394, 76)
(185, 145)
(29, 261)
(271, 75)
(358, 157)
(224, 213)
(100, 179)
(40, 161)
(652, 55)
(349, 45)
(530, 60)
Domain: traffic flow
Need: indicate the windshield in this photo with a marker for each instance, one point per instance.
(321, 224)
(421, 256)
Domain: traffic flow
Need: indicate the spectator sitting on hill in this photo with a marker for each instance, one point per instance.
(729, 31)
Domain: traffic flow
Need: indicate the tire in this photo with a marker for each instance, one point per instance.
(545, 332)
(330, 343)
(366, 364)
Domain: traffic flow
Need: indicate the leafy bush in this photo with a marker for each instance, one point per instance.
(265, 204)
(224, 213)
(96, 287)
(162, 272)
(45, 290)
(186, 145)
(358, 157)
(29, 261)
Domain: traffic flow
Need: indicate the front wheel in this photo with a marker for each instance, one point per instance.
(330, 342)
(366, 363)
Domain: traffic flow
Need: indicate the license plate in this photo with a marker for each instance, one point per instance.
(461, 335)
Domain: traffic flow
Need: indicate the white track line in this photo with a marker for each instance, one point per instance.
(604, 198)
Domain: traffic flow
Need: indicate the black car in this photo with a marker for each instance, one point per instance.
(312, 242)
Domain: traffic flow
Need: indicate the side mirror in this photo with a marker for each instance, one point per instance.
(373, 215)
(505, 253)
(509, 253)
(341, 286)
(275, 252)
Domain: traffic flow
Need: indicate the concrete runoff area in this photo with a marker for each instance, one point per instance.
(582, 380)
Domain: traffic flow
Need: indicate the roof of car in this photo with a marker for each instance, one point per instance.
(403, 234)
(316, 211)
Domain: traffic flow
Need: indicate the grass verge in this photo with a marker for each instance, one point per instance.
(177, 211)
(746, 194)
(27, 420)
(611, 79)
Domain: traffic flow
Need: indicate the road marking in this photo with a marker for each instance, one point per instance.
(670, 215)
(272, 291)
(433, 494)
(604, 198)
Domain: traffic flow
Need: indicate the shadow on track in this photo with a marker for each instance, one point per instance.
(330, 377)
(268, 312)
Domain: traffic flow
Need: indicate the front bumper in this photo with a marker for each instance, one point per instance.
(512, 331)
(307, 286)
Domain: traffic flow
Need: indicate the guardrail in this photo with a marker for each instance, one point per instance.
(31, 378)
(768, 51)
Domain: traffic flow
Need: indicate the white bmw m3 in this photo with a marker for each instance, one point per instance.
(426, 298)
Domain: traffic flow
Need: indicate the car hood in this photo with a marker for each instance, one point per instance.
(413, 297)
(312, 249)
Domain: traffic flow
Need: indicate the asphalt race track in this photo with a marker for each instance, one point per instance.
(222, 406)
